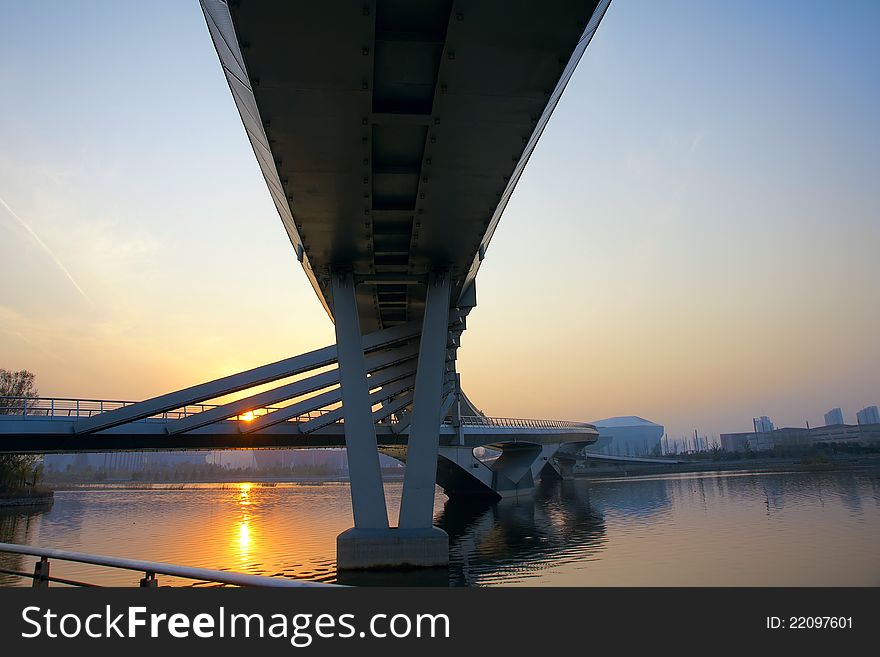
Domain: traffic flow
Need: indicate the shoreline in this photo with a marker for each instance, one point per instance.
(266, 480)
(602, 471)
(27, 497)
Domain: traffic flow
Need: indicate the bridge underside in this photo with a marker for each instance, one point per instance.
(392, 133)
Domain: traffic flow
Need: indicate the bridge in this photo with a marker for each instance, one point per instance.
(527, 448)
(391, 135)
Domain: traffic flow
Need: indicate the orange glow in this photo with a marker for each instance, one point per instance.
(244, 525)
(244, 537)
(247, 417)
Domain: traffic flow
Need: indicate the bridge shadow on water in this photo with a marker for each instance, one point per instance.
(517, 539)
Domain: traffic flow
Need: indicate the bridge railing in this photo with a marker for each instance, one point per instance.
(521, 423)
(69, 407)
(41, 575)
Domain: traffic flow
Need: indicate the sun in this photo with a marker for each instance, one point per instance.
(247, 417)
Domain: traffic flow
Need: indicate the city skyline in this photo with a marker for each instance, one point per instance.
(667, 254)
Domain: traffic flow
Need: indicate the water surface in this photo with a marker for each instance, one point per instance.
(712, 529)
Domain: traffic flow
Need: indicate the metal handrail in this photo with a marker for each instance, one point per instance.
(149, 568)
(68, 407)
(121, 402)
(527, 423)
(73, 408)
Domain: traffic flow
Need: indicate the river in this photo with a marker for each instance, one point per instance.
(702, 529)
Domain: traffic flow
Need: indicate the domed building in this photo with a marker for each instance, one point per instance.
(627, 435)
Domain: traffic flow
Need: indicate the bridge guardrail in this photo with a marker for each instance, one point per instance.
(41, 576)
(70, 407)
(524, 423)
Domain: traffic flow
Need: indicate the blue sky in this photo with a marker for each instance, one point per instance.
(695, 239)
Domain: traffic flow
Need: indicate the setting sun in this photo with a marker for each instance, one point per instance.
(247, 417)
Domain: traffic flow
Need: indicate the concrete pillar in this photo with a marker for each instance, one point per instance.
(367, 494)
(417, 505)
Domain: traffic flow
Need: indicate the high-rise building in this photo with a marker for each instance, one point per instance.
(763, 424)
(834, 416)
(869, 415)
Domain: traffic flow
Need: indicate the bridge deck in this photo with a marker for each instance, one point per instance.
(48, 425)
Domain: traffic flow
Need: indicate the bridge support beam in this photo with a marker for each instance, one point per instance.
(367, 493)
(513, 473)
(417, 505)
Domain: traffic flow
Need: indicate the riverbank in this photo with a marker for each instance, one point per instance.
(598, 469)
(26, 497)
(258, 481)
(594, 469)
(60, 481)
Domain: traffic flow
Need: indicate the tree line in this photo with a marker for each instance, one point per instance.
(17, 471)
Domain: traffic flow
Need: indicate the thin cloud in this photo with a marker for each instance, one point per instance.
(48, 251)
(697, 140)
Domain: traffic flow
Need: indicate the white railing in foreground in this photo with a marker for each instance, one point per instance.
(41, 576)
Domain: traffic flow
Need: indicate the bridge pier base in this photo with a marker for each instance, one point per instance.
(400, 547)
(561, 466)
(513, 473)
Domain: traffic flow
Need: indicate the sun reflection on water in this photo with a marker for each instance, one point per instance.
(244, 536)
(244, 523)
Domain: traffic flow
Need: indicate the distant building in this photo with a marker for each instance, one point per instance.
(628, 435)
(120, 461)
(331, 460)
(834, 416)
(737, 442)
(868, 415)
(799, 437)
(763, 424)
